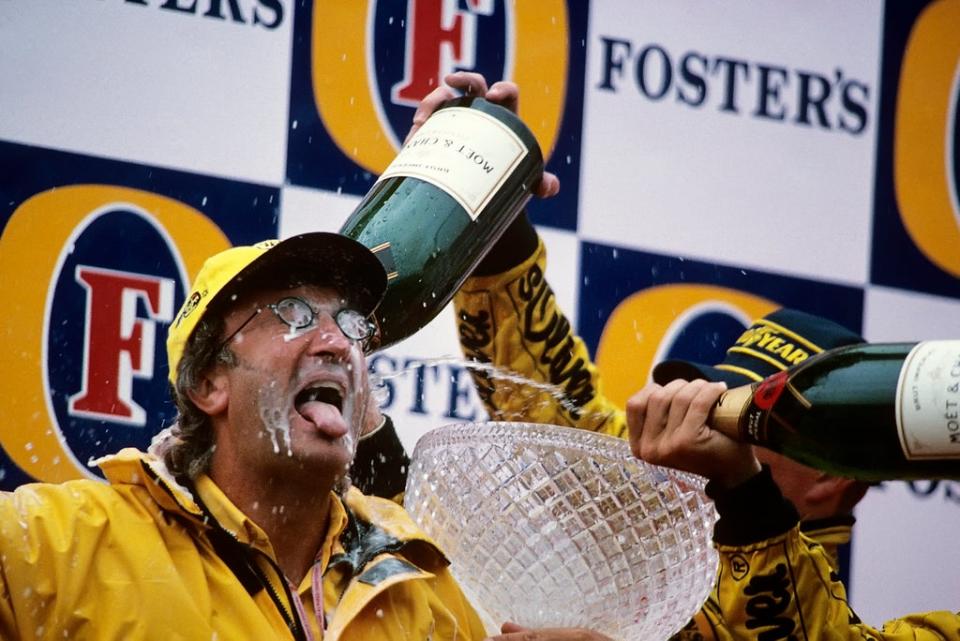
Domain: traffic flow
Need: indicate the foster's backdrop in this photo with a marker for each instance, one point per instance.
(717, 159)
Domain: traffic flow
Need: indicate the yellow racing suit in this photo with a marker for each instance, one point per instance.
(830, 534)
(146, 558)
(775, 582)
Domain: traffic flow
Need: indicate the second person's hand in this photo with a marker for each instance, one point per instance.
(668, 426)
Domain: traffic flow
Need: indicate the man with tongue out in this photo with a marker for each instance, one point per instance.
(233, 526)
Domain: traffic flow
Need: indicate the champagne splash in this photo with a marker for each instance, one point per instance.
(539, 393)
(274, 412)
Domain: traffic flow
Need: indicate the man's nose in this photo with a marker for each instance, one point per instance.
(326, 338)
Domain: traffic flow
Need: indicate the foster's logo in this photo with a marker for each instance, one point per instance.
(370, 62)
(99, 272)
(917, 207)
(924, 163)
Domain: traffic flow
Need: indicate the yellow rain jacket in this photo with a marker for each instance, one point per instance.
(142, 558)
(511, 321)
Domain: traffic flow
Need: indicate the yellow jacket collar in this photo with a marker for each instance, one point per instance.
(130, 466)
(133, 467)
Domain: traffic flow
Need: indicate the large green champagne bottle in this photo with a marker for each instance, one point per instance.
(449, 194)
(872, 412)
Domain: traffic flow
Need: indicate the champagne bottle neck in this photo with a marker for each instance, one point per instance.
(730, 408)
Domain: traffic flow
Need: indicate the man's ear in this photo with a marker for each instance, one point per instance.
(211, 395)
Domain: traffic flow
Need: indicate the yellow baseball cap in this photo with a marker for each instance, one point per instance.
(319, 258)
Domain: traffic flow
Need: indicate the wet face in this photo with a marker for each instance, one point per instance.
(296, 397)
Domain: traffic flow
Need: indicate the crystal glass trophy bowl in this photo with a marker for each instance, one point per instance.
(551, 526)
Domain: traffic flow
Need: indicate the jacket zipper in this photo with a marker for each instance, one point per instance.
(291, 619)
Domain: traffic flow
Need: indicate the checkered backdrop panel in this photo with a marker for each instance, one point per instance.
(731, 156)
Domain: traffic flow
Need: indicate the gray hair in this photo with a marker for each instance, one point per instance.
(191, 448)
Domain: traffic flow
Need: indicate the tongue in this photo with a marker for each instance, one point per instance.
(325, 417)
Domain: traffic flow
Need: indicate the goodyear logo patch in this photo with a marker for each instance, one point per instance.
(770, 342)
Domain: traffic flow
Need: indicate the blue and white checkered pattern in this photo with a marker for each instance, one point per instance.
(747, 149)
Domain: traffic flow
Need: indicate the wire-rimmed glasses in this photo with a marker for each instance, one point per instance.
(298, 315)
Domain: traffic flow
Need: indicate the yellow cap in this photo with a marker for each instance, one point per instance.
(318, 259)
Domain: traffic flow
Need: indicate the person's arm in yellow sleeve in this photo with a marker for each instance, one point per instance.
(508, 318)
(773, 581)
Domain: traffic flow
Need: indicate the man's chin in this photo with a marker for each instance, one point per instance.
(322, 457)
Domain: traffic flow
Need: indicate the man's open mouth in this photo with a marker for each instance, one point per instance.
(328, 394)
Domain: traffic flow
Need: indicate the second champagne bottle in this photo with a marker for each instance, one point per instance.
(442, 203)
(873, 412)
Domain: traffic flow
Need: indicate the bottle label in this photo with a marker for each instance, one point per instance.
(465, 152)
(928, 401)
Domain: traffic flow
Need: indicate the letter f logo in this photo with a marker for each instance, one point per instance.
(440, 38)
(118, 345)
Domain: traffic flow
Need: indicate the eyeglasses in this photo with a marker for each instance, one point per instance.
(297, 314)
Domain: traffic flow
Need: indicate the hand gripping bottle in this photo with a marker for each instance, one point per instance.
(873, 412)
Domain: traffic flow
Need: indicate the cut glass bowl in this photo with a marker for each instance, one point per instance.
(551, 526)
